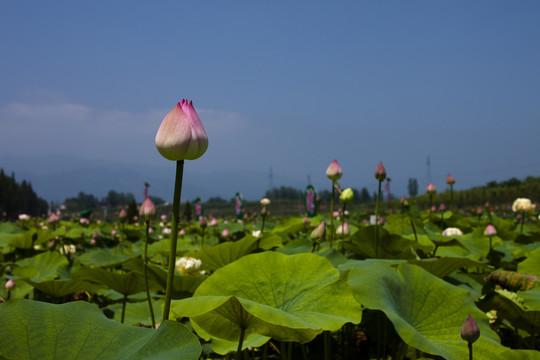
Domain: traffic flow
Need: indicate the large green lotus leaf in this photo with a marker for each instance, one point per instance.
(442, 267)
(138, 312)
(79, 330)
(427, 312)
(531, 298)
(44, 266)
(215, 257)
(79, 232)
(289, 298)
(391, 246)
(163, 248)
(520, 355)
(105, 257)
(303, 245)
(183, 285)
(289, 225)
(531, 264)
(29, 238)
(126, 284)
(59, 288)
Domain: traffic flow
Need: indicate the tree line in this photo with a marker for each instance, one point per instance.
(19, 198)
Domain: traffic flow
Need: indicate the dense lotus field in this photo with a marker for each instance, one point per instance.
(76, 289)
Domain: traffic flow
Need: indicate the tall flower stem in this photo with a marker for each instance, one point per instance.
(470, 351)
(452, 197)
(377, 221)
(332, 214)
(202, 238)
(522, 221)
(124, 302)
(240, 343)
(174, 237)
(145, 264)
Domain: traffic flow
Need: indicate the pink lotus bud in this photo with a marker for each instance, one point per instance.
(450, 180)
(202, 222)
(334, 171)
(469, 330)
(95, 235)
(163, 217)
(181, 134)
(306, 221)
(147, 211)
(319, 233)
(226, 233)
(343, 229)
(442, 207)
(113, 232)
(490, 231)
(123, 214)
(93, 241)
(10, 285)
(182, 232)
(53, 218)
(213, 222)
(431, 188)
(380, 172)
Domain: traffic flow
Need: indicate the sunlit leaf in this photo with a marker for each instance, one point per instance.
(78, 330)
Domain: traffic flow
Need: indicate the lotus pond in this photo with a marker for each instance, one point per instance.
(402, 290)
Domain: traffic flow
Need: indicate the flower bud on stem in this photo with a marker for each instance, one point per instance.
(174, 237)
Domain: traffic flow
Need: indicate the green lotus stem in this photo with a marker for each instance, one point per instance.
(332, 214)
(470, 351)
(490, 238)
(414, 230)
(452, 197)
(174, 237)
(202, 238)
(124, 302)
(283, 349)
(262, 227)
(240, 343)
(145, 264)
(522, 221)
(327, 347)
(377, 221)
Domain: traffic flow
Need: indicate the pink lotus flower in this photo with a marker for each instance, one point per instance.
(380, 172)
(147, 211)
(10, 285)
(450, 180)
(334, 171)
(431, 188)
(181, 134)
(490, 231)
(53, 218)
(213, 222)
(226, 233)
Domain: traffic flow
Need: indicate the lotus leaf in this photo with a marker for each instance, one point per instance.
(78, 330)
(290, 298)
(426, 311)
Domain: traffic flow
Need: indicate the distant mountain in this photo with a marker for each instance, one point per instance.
(56, 178)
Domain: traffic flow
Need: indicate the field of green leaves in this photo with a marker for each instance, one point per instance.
(76, 288)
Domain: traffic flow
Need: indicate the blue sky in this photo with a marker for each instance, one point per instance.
(287, 85)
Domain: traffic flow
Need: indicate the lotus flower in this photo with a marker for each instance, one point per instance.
(226, 233)
(523, 204)
(10, 285)
(188, 265)
(469, 330)
(265, 201)
(202, 222)
(334, 171)
(181, 135)
(490, 231)
(319, 233)
(431, 188)
(450, 180)
(213, 222)
(452, 231)
(343, 229)
(380, 172)
(147, 211)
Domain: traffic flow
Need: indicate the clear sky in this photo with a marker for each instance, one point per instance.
(290, 85)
